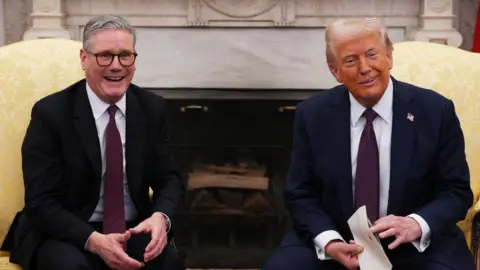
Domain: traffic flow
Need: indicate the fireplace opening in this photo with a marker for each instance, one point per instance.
(234, 157)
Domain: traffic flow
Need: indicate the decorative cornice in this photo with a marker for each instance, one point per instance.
(241, 9)
(439, 6)
(46, 6)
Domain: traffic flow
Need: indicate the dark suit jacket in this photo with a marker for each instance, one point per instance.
(62, 168)
(429, 173)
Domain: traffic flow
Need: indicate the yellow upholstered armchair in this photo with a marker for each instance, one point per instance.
(454, 73)
(29, 70)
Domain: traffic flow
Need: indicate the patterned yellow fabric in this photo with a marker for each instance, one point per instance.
(5, 265)
(454, 73)
(29, 70)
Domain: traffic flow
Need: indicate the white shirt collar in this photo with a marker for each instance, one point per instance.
(99, 106)
(383, 107)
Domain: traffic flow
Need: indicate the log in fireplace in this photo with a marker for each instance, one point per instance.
(234, 156)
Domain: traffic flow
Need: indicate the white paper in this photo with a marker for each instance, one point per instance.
(373, 255)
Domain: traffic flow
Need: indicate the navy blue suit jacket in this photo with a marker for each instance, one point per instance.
(429, 174)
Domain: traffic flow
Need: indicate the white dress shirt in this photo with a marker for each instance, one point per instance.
(100, 114)
(382, 126)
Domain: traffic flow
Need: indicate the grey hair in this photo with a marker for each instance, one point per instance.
(104, 22)
(346, 29)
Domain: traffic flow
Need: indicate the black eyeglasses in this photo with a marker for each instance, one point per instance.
(105, 59)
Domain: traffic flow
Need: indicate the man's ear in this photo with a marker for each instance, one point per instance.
(335, 73)
(390, 61)
(83, 57)
(390, 56)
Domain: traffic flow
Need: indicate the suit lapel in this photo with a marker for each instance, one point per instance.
(340, 150)
(87, 130)
(135, 142)
(403, 131)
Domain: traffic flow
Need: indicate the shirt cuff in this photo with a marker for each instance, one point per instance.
(424, 242)
(322, 240)
(88, 239)
(167, 221)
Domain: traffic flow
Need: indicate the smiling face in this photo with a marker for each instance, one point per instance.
(111, 82)
(363, 65)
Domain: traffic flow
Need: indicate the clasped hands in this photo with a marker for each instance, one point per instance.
(110, 246)
(404, 229)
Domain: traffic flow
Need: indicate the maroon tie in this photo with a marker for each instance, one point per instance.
(113, 205)
(367, 179)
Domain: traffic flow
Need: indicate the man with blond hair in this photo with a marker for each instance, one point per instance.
(377, 142)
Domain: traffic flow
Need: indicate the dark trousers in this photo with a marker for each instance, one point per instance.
(59, 255)
(301, 257)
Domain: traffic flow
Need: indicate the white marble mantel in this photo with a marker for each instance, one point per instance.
(244, 44)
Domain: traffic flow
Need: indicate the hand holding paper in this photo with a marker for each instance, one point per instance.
(373, 255)
(345, 254)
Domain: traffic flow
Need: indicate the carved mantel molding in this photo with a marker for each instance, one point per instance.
(436, 23)
(48, 20)
(250, 13)
(243, 13)
(269, 44)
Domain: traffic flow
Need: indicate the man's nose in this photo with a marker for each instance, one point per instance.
(364, 67)
(115, 65)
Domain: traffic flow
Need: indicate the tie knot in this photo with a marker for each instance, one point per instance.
(370, 115)
(112, 110)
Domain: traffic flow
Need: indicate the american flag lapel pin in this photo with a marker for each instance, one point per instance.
(410, 117)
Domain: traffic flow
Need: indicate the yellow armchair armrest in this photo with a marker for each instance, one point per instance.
(468, 224)
(476, 207)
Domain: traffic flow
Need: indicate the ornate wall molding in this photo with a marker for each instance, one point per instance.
(241, 9)
(49, 19)
(249, 13)
(244, 13)
(439, 6)
(433, 24)
(46, 6)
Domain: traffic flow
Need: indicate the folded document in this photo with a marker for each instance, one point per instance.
(373, 255)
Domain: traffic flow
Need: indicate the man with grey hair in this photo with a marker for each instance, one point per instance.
(90, 155)
(377, 142)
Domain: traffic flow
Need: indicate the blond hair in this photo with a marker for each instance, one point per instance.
(347, 29)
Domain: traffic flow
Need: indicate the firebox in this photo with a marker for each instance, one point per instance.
(234, 156)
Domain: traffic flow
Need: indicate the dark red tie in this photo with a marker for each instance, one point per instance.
(113, 205)
(367, 179)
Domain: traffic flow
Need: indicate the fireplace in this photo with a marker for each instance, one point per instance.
(234, 156)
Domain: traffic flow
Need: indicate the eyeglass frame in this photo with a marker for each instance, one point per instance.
(113, 57)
